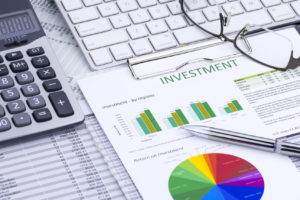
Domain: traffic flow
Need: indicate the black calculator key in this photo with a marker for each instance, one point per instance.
(15, 107)
(1, 59)
(4, 124)
(22, 119)
(14, 56)
(35, 51)
(36, 102)
(3, 70)
(30, 90)
(6, 82)
(42, 115)
(61, 104)
(2, 111)
(41, 61)
(18, 66)
(10, 94)
(46, 73)
(52, 85)
(24, 78)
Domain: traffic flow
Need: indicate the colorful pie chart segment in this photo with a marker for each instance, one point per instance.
(216, 176)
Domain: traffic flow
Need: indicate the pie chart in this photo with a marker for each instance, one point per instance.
(216, 176)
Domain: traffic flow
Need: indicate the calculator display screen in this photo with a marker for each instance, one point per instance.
(15, 25)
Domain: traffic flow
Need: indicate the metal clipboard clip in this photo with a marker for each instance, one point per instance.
(165, 62)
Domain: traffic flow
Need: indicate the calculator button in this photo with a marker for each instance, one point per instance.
(18, 66)
(30, 90)
(6, 82)
(10, 94)
(22, 119)
(39, 62)
(46, 73)
(1, 59)
(35, 51)
(4, 124)
(15, 107)
(24, 78)
(3, 70)
(14, 56)
(2, 111)
(61, 104)
(42, 115)
(52, 85)
(36, 102)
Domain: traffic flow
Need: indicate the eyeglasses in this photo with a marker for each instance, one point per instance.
(277, 51)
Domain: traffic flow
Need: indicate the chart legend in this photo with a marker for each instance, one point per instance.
(176, 119)
(231, 107)
(146, 123)
(216, 176)
(202, 110)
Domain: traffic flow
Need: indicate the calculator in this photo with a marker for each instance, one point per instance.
(35, 94)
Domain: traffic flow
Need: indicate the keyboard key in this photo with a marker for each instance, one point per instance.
(61, 104)
(3, 70)
(36, 102)
(30, 90)
(105, 39)
(108, 9)
(35, 51)
(251, 5)
(71, 4)
(211, 13)
(10, 94)
(296, 6)
(141, 47)
(174, 8)
(139, 16)
(282, 12)
(15, 107)
(196, 16)
(101, 57)
(2, 111)
(91, 2)
(93, 27)
(18, 66)
(24, 78)
(190, 34)
(46, 73)
(176, 22)
(138, 31)
(83, 15)
(195, 4)
(4, 124)
(121, 51)
(52, 85)
(21, 120)
(214, 2)
(120, 21)
(234, 8)
(6, 82)
(146, 3)
(39, 62)
(127, 5)
(42, 115)
(14, 56)
(157, 26)
(163, 41)
(269, 3)
(164, 1)
(159, 11)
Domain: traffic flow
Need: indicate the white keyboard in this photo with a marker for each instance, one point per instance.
(109, 31)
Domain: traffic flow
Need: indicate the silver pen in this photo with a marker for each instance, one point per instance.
(271, 145)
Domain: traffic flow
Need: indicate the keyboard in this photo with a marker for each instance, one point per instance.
(35, 96)
(109, 31)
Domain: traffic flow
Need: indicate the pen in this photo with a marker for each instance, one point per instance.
(217, 134)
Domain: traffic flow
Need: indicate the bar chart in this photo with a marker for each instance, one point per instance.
(202, 110)
(232, 106)
(146, 123)
(176, 119)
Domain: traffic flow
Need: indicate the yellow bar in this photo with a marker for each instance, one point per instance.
(177, 119)
(203, 111)
(232, 107)
(148, 123)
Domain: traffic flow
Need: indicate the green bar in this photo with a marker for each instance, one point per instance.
(227, 110)
(237, 105)
(182, 117)
(148, 122)
(202, 110)
(232, 107)
(143, 125)
(208, 109)
(172, 122)
(152, 119)
(197, 111)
